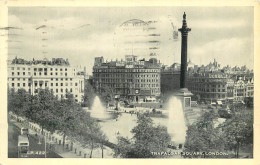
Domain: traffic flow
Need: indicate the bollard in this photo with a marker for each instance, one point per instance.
(79, 153)
(85, 155)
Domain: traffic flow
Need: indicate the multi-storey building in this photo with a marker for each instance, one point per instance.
(209, 86)
(56, 75)
(133, 79)
(215, 86)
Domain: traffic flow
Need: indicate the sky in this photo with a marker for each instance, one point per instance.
(82, 33)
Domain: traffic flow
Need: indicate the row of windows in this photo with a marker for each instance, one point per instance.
(18, 79)
(207, 90)
(39, 69)
(125, 75)
(39, 73)
(126, 70)
(42, 84)
(51, 69)
(147, 80)
(146, 85)
(219, 96)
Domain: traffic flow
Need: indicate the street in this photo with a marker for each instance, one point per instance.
(35, 150)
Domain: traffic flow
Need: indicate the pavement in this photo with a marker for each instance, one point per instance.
(54, 144)
(36, 150)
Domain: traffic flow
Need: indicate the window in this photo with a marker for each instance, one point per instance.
(61, 90)
(57, 84)
(66, 74)
(18, 84)
(56, 74)
(18, 79)
(51, 69)
(12, 79)
(60, 69)
(61, 84)
(23, 79)
(23, 73)
(35, 69)
(76, 84)
(34, 73)
(29, 73)
(70, 89)
(23, 84)
(12, 68)
(40, 73)
(51, 73)
(18, 68)
(29, 84)
(23, 68)
(12, 73)
(51, 84)
(65, 69)
(56, 79)
(45, 73)
(57, 90)
(45, 69)
(12, 84)
(56, 69)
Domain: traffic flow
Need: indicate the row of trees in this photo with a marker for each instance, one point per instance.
(65, 116)
(229, 136)
(147, 139)
(105, 93)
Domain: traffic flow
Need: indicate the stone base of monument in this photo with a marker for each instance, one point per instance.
(185, 95)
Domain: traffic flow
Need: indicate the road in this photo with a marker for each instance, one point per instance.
(36, 150)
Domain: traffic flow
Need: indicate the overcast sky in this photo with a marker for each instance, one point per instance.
(80, 34)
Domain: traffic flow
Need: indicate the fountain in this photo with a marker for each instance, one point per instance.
(176, 122)
(98, 111)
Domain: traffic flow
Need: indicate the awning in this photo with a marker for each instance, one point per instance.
(150, 99)
(219, 102)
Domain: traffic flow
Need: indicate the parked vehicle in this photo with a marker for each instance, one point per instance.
(23, 145)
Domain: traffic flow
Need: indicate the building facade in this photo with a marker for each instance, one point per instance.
(56, 75)
(137, 80)
(217, 86)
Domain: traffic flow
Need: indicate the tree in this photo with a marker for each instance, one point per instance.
(89, 133)
(68, 114)
(18, 102)
(106, 93)
(203, 136)
(43, 105)
(147, 138)
(89, 94)
(238, 130)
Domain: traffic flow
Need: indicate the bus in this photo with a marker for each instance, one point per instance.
(23, 145)
(24, 131)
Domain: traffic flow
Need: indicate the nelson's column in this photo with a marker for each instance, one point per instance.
(183, 93)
